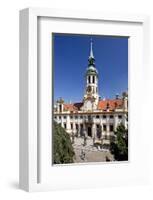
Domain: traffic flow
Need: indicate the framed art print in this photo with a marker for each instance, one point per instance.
(83, 77)
(94, 122)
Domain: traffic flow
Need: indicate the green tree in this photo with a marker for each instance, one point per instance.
(119, 145)
(62, 148)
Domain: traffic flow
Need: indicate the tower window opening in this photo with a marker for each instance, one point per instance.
(60, 108)
(93, 80)
(89, 79)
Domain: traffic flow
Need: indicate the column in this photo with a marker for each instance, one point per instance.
(107, 130)
(79, 128)
(68, 125)
(62, 121)
(91, 79)
(115, 122)
(84, 129)
(74, 128)
(125, 103)
(125, 120)
(102, 131)
(94, 131)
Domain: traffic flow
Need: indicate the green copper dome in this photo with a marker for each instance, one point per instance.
(91, 70)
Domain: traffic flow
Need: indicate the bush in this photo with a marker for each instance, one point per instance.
(119, 146)
(62, 148)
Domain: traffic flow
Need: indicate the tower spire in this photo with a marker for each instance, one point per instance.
(91, 49)
(91, 59)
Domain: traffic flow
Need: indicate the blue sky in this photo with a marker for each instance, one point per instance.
(71, 52)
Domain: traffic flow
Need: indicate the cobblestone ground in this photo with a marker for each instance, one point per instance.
(89, 153)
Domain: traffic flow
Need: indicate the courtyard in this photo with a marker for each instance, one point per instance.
(90, 152)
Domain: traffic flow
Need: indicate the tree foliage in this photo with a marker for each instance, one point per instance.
(62, 148)
(119, 145)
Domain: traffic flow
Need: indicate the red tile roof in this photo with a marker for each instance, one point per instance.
(110, 104)
(73, 107)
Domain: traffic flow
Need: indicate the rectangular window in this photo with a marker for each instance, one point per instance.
(76, 126)
(71, 117)
(97, 126)
(89, 117)
(104, 116)
(111, 128)
(65, 125)
(59, 117)
(111, 116)
(81, 126)
(120, 116)
(104, 127)
(97, 116)
(64, 117)
(71, 125)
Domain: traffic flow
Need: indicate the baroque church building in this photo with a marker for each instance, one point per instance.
(93, 117)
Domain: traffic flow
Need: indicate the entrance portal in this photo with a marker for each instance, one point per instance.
(89, 132)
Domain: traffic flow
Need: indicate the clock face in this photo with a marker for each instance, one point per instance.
(89, 89)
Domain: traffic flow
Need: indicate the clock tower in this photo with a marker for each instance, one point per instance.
(91, 96)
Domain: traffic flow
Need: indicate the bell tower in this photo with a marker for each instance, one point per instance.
(91, 96)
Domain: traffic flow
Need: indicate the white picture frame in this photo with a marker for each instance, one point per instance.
(30, 151)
